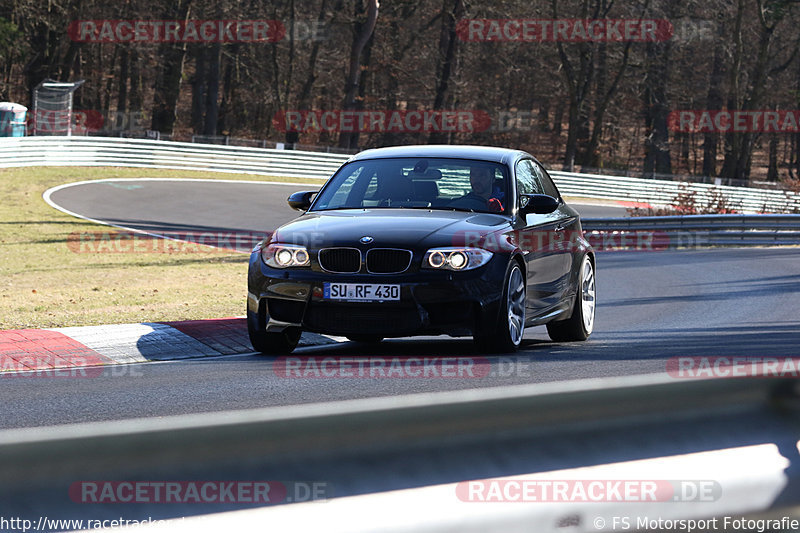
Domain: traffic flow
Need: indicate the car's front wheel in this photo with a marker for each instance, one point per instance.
(580, 324)
(507, 334)
(279, 343)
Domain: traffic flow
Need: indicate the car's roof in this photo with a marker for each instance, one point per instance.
(483, 153)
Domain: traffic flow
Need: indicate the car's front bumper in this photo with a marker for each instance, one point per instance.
(431, 302)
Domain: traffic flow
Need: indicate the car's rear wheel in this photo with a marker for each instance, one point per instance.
(580, 324)
(279, 343)
(510, 327)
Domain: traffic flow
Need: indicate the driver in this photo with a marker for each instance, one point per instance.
(481, 179)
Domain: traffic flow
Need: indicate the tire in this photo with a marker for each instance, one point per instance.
(506, 335)
(280, 343)
(580, 324)
(365, 339)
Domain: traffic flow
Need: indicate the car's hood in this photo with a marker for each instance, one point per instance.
(407, 228)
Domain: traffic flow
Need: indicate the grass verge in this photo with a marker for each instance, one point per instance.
(45, 284)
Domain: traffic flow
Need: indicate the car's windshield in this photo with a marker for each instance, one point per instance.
(424, 183)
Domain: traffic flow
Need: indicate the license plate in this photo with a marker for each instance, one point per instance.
(361, 292)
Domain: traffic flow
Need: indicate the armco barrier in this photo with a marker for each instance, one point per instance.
(663, 193)
(706, 230)
(142, 153)
(397, 463)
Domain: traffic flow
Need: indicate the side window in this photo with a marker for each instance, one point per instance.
(548, 186)
(527, 180)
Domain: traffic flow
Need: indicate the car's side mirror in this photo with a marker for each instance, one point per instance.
(539, 204)
(301, 200)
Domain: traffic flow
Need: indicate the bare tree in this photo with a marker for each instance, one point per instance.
(363, 28)
(450, 13)
(168, 80)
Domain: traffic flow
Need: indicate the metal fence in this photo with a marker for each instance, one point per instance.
(693, 231)
(143, 153)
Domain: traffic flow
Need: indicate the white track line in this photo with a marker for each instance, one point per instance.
(46, 196)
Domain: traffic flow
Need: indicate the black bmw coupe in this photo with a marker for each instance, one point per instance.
(401, 241)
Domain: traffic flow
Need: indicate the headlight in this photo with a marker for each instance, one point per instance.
(456, 258)
(285, 255)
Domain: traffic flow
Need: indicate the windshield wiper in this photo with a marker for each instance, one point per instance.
(429, 208)
(464, 209)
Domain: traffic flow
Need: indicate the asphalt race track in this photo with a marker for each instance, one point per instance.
(213, 205)
(652, 306)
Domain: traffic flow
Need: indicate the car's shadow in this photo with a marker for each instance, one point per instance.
(605, 354)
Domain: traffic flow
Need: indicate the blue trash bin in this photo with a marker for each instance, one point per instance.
(12, 119)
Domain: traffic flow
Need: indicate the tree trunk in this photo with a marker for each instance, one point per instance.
(558, 118)
(290, 59)
(362, 33)
(69, 60)
(543, 116)
(591, 155)
(794, 170)
(772, 169)
(122, 89)
(135, 98)
(657, 156)
(451, 12)
(198, 83)
(588, 155)
(397, 34)
(37, 69)
(739, 145)
(109, 83)
(714, 102)
(571, 148)
(578, 83)
(304, 100)
(212, 90)
(227, 109)
(168, 80)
